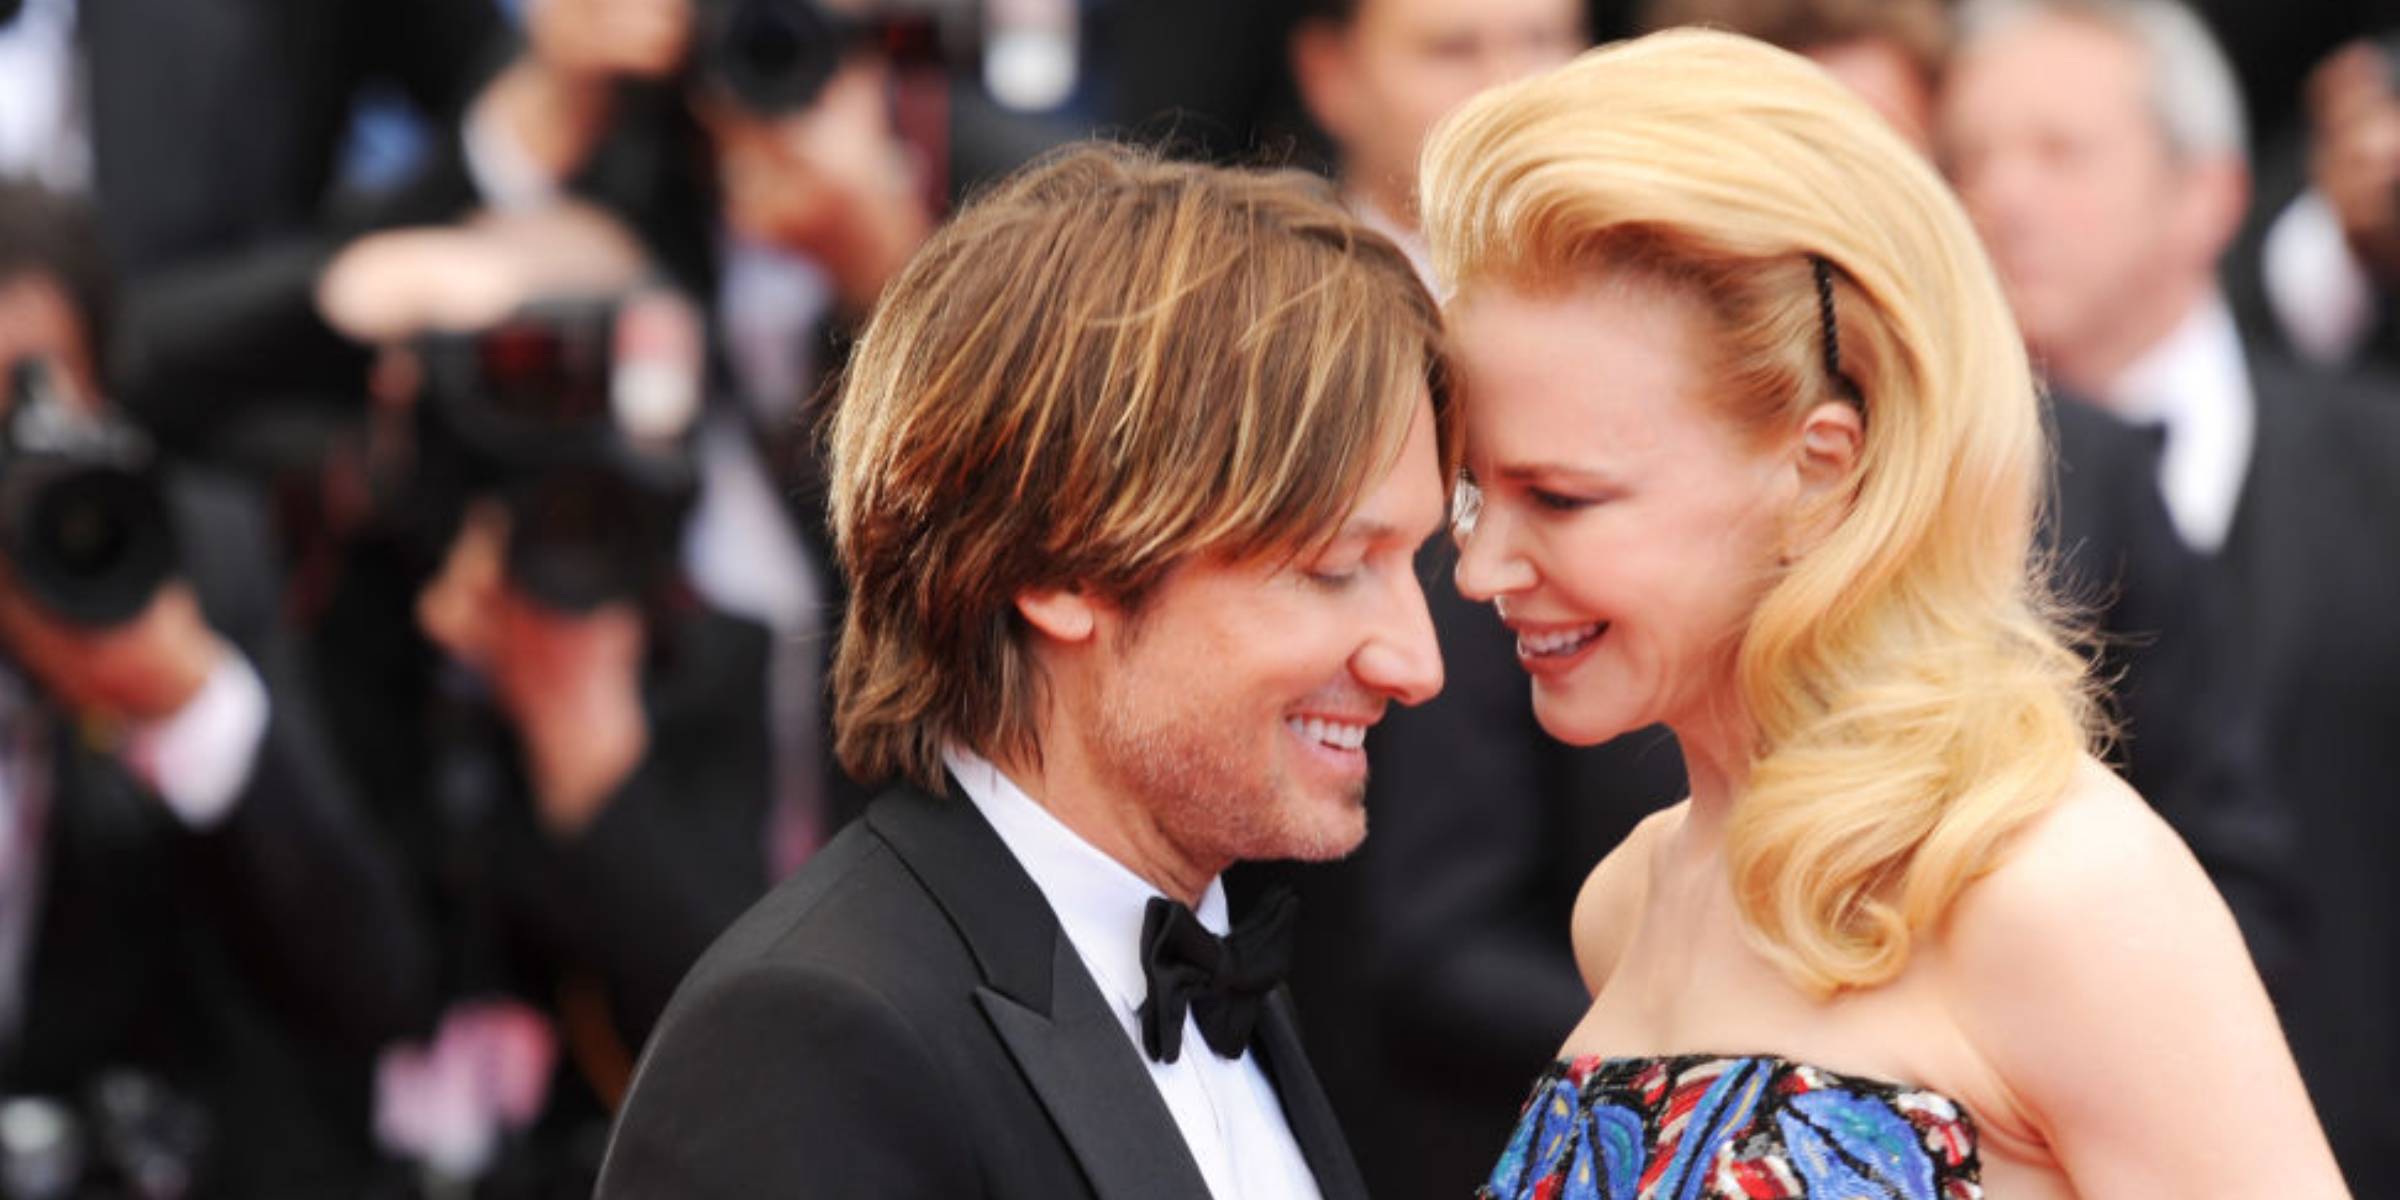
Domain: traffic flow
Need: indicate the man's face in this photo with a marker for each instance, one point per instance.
(1380, 85)
(2049, 136)
(1231, 708)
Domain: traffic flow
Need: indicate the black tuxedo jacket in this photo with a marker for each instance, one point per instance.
(2313, 567)
(904, 1017)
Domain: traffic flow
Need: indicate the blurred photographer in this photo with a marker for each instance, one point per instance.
(732, 130)
(201, 940)
(575, 745)
(757, 149)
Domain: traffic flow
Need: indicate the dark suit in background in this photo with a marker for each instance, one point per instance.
(2312, 567)
(905, 1018)
(590, 930)
(2189, 736)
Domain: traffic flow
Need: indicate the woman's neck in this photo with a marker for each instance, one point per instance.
(1717, 754)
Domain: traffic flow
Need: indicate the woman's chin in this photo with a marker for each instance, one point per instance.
(1582, 724)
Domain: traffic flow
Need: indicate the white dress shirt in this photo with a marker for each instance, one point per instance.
(1230, 1116)
(2196, 383)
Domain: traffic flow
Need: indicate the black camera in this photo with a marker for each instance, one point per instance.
(774, 56)
(83, 522)
(768, 56)
(576, 416)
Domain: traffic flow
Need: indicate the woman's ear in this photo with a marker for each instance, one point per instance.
(1825, 463)
(1831, 438)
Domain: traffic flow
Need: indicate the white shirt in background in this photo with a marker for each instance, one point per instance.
(2196, 383)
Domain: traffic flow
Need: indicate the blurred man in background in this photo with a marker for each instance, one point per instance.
(1376, 75)
(2099, 147)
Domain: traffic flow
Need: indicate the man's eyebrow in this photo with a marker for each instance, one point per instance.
(1365, 529)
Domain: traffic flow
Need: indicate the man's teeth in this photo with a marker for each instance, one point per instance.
(1553, 644)
(1334, 734)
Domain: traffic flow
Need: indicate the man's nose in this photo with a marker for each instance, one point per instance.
(1403, 659)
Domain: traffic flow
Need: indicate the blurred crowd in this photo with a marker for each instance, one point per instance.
(414, 589)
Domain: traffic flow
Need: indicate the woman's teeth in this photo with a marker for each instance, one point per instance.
(1558, 642)
(1336, 735)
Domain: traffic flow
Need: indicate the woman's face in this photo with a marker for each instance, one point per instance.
(1626, 528)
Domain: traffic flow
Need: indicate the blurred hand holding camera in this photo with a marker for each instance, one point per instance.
(88, 601)
(388, 287)
(570, 682)
(832, 181)
(2354, 112)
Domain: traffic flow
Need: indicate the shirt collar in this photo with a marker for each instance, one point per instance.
(2196, 383)
(2194, 373)
(1100, 903)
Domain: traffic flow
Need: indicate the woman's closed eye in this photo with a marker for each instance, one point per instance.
(1559, 501)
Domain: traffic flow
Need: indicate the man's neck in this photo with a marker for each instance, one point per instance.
(1062, 781)
(2091, 367)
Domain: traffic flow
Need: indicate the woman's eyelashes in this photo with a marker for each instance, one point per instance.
(1559, 501)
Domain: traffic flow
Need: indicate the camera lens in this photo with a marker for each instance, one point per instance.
(84, 536)
(772, 56)
(92, 543)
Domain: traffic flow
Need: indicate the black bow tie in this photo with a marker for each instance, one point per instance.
(1221, 981)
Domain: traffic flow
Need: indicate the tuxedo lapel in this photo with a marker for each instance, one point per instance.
(1084, 1068)
(2267, 561)
(1305, 1107)
(1041, 1001)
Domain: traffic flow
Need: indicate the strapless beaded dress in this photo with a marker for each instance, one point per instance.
(1706, 1127)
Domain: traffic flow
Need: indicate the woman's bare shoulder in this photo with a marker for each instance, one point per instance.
(2097, 973)
(2098, 860)
(1610, 904)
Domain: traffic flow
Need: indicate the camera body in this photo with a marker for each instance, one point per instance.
(576, 415)
(83, 520)
(771, 57)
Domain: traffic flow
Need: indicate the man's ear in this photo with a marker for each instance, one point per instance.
(1321, 72)
(1060, 614)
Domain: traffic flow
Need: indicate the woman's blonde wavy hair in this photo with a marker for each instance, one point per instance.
(1912, 692)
